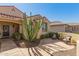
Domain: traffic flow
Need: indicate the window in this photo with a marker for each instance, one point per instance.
(44, 27)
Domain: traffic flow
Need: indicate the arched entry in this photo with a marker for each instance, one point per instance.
(8, 28)
(5, 30)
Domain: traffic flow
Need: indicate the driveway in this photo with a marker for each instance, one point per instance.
(47, 47)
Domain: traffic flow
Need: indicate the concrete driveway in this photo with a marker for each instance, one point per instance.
(47, 47)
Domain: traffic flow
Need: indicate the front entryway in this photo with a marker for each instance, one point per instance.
(5, 31)
(8, 28)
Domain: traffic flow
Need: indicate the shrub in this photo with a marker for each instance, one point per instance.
(50, 34)
(62, 35)
(57, 35)
(17, 36)
(47, 35)
(44, 36)
(54, 35)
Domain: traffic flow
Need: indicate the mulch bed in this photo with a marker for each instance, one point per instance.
(32, 44)
(26, 44)
(18, 42)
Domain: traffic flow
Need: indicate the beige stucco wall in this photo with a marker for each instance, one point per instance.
(75, 28)
(57, 28)
(77, 48)
(68, 28)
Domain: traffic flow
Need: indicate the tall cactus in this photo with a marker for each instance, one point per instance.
(31, 28)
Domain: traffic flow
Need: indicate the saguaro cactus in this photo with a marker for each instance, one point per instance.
(31, 28)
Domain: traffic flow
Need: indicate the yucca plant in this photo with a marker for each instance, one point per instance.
(31, 28)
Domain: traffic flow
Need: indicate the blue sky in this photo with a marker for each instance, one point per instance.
(65, 12)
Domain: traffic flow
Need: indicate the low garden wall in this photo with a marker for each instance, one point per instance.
(77, 48)
(74, 37)
(63, 35)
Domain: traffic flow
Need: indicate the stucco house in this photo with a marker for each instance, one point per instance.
(59, 27)
(74, 27)
(10, 21)
(64, 27)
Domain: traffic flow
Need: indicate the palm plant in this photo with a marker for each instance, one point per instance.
(31, 28)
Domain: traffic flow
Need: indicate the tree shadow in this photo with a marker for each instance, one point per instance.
(49, 49)
(57, 48)
(38, 51)
(71, 52)
(34, 51)
(48, 41)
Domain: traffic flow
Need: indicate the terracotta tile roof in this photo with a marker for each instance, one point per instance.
(13, 7)
(57, 23)
(9, 15)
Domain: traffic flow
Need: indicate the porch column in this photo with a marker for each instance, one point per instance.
(20, 28)
(77, 48)
(0, 31)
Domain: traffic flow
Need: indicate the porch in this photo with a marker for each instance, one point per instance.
(8, 28)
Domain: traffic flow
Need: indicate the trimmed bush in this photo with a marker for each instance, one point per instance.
(44, 36)
(57, 35)
(50, 35)
(17, 36)
(62, 35)
(47, 35)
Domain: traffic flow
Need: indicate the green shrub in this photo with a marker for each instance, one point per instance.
(50, 34)
(17, 36)
(47, 35)
(57, 35)
(44, 36)
(62, 35)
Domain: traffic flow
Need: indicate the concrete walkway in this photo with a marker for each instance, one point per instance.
(47, 47)
(8, 47)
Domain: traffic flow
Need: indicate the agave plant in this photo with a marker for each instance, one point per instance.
(31, 28)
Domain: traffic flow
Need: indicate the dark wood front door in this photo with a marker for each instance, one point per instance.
(5, 30)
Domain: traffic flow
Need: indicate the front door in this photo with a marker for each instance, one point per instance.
(5, 31)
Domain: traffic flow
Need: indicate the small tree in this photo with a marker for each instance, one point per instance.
(31, 28)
